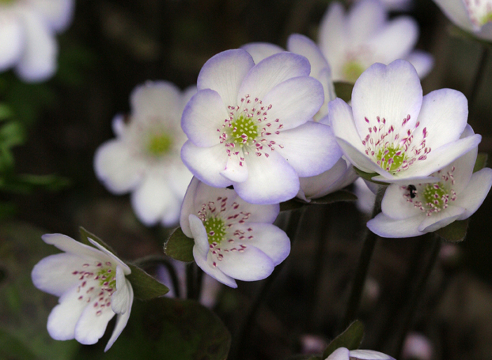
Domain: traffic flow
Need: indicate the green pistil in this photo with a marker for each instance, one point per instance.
(433, 193)
(215, 228)
(352, 70)
(390, 153)
(159, 144)
(487, 18)
(6, 2)
(243, 131)
(107, 275)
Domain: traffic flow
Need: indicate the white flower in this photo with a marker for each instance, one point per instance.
(414, 208)
(418, 347)
(92, 288)
(145, 156)
(27, 35)
(474, 16)
(346, 354)
(249, 126)
(397, 4)
(233, 239)
(354, 41)
(393, 131)
(365, 195)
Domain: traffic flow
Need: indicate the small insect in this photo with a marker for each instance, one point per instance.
(412, 190)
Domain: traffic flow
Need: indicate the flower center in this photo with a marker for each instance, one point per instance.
(352, 70)
(479, 11)
(390, 158)
(216, 230)
(7, 2)
(243, 131)
(159, 144)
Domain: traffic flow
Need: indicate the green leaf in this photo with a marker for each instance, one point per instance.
(179, 246)
(340, 195)
(5, 112)
(85, 235)
(481, 162)
(145, 286)
(12, 134)
(27, 183)
(454, 232)
(462, 34)
(343, 90)
(292, 204)
(350, 339)
(368, 176)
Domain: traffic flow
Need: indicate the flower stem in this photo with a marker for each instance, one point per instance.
(154, 260)
(363, 265)
(477, 80)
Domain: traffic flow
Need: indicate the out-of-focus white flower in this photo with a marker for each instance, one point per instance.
(346, 354)
(417, 347)
(396, 132)
(354, 41)
(233, 239)
(145, 156)
(414, 209)
(474, 16)
(92, 287)
(27, 35)
(249, 126)
(365, 196)
(396, 5)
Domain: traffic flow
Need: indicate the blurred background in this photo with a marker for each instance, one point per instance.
(113, 46)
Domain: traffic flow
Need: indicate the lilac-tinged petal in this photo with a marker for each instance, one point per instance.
(199, 234)
(125, 267)
(203, 116)
(38, 59)
(261, 50)
(206, 163)
(391, 92)
(333, 37)
(365, 19)
(271, 180)
(440, 219)
(456, 10)
(115, 165)
(249, 265)
(53, 274)
(341, 119)
(224, 73)
(69, 245)
(187, 207)
(386, 227)
(118, 125)
(236, 170)
(259, 213)
(91, 327)
(213, 271)
(424, 179)
(304, 46)
(310, 148)
(473, 196)
(294, 101)
(339, 354)
(369, 355)
(11, 40)
(156, 99)
(395, 204)
(270, 72)
(422, 62)
(58, 13)
(121, 319)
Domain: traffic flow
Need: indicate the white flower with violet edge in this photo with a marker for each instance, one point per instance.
(145, 156)
(248, 126)
(27, 36)
(346, 354)
(397, 4)
(92, 288)
(233, 239)
(302, 45)
(394, 131)
(414, 209)
(474, 16)
(352, 42)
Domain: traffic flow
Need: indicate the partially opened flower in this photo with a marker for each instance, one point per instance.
(27, 35)
(346, 354)
(92, 287)
(145, 156)
(248, 126)
(473, 16)
(233, 239)
(354, 41)
(417, 208)
(394, 131)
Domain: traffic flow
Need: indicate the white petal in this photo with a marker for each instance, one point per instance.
(236, 170)
(422, 61)
(333, 37)
(457, 12)
(260, 50)
(72, 246)
(117, 167)
(473, 196)
(386, 227)
(38, 60)
(271, 180)
(158, 99)
(121, 319)
(91, 327)
(365, 19)
(294, 101)
(120, 299)
(310, 149)
(272, 71)
(203, 116)
(118, 125)
(199, 234)
(187, 207)
(369, 355)
(341, 119)
(110, 255)
(440, 219)
(206, 163)
(224, 73)
(304, 46)
(214, 272)
(11, 40)
(268, 238)
(395, 205)
(391, 92)
(53, 274)
(58, 13)
(249, 265)
(339, 354)
(424, 179)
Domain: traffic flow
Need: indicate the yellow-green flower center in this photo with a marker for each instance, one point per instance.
(107, 278)
(390, 158)
(436, 196)
(6, 2)
(352, 70)
(243, 131)
(216, 230)
(159, 144)
(486, 18)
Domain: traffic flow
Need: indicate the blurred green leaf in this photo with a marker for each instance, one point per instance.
(5, 112)
(11, 134)
(26, 183)
(481, 162)
(292, 204)
(368, 176)
(344, 90)
(340, 195)
(454, 232)
(179, 246)
(351, 339)
(145, 286)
